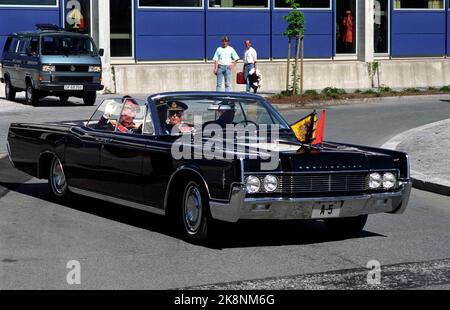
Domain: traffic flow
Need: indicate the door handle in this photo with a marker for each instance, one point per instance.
(103, 140)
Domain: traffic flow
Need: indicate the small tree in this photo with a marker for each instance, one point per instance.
(295, 29)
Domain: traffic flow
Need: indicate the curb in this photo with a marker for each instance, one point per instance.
(418, 178)
(315, 104)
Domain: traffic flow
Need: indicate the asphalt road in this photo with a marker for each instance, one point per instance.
(118, 247)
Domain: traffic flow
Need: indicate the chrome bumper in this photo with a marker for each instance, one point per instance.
(281, 208)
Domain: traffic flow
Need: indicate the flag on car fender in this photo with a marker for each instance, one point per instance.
(305, 127)
(319, 132)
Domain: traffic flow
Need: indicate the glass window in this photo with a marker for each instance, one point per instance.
(313, 4)
(67, 45)
(346, 27)
(78, 16)
(13, 45)
(170, 3)
(34, 46)
(381, 26)
(419, 4)
(29, 2)
(238, 3)
(121, 28)
(106, 116)
(23, 44)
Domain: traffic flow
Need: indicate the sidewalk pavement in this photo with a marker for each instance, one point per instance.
(428, 147)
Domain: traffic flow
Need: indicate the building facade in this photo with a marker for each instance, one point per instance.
(157, 45)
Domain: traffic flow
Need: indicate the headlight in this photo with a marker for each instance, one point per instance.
(375, 180)
(270, 183)
(389, 180)
(95, 69)
(253, 184)
(48, 68)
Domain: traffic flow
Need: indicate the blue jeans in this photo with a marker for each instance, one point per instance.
(223, 72)
(247, 69)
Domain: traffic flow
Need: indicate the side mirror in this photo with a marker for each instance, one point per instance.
(101, 52)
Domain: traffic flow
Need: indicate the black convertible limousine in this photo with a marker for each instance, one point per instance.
(161, 156)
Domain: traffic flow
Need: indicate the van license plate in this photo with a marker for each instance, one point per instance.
(73, 87)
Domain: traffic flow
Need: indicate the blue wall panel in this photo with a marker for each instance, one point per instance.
(169, 35)
(418, 33)
(238, 26)
(318, 34)
(24, 19)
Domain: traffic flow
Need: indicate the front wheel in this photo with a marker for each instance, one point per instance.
(10, 92)
(348, 226)
(194, 214)
(89, 98)
(31, 95)
(63, 99)
(57, 179)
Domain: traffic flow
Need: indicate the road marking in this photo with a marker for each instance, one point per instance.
(396, 276)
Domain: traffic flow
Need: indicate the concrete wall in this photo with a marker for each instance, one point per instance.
(153, 78)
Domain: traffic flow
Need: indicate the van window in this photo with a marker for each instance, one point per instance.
(13, 45)
(34, 45)
(23, 44)
(67, 45)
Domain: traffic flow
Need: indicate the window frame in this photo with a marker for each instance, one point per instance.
(233, 8)
(56, 5)
(305, 9)
(444, 2)
(139, 7)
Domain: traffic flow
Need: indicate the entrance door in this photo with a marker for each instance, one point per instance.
(121, 23)
(381, 27)
(346, 27)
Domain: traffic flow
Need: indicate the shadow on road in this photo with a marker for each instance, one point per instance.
(242, 234)
(50, 102)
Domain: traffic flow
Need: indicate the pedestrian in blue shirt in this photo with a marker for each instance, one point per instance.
(225, 59)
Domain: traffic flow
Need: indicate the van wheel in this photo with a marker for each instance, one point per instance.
(31, 95)
(10, 91)
(89, 98)
(63, 99)
(57, 180)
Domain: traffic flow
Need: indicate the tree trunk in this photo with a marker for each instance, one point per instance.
(297, 51)
(301, 64)
(288, 65)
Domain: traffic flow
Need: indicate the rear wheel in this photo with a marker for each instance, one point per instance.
(349, 226)
(57, 179)
(31, 95)
(10, 91)
(89, 98)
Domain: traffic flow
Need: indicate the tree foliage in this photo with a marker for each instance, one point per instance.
(295, 20)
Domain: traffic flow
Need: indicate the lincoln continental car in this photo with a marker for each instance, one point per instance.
(212, 172)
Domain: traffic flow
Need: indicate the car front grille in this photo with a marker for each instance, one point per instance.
(72, 79)
(323, 183)
(71, 68)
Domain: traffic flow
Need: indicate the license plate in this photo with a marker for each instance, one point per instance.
(327, 209)
(73, 87)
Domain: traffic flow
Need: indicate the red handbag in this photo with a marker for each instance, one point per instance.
(240, 78)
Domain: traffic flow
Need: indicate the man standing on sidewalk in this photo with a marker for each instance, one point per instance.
(250, 58)
(225, 59)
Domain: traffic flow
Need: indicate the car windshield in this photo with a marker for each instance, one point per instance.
(67, 45)
(221, 110)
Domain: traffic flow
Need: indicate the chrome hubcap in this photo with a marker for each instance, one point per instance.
(192, 209)
(58, 178)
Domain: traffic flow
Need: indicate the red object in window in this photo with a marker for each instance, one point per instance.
(348, 25)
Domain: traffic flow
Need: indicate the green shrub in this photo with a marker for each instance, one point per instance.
(445, 88)
(411, 90)
(332, 92)
(370, 92)
(385, 90)
(311, 93)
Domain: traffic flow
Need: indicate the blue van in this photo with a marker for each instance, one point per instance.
(51, 62)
